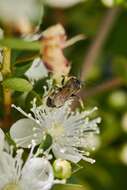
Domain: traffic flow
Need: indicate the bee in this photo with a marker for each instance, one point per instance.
(59, 97)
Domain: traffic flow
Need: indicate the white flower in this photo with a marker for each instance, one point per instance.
(62, 3)
(15, 10)
(70, 132)
(36, 173)
(1, 140)
(36, 71)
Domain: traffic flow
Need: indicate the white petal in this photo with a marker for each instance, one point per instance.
(37, 70)
(22, 132)
(15, 10)
(1, 140)
(62, 3)
(7, 171)
(67, 153)
(37, 174)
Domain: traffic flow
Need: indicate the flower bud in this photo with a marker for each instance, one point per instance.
(62, 169)
(124, 122)
(123, 154)
(110, 3)
(118, 99)
(54, 41)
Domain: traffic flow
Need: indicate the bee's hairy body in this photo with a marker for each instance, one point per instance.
(59, 97)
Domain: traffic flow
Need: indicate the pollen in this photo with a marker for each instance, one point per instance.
(56, 130)
(11, 186)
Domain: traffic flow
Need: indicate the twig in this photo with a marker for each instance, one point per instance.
(26, 58)
(105, 86)
(97, 44)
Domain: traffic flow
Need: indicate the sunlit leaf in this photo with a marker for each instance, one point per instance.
(17, 84)
(68, 187)
(20, 44)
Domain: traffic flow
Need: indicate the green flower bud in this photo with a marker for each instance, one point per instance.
(62, 169)
(110, 3)
(123, 154)
(118, 99)
(124, 122)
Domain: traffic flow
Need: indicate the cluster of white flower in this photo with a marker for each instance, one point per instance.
(35, 173)
(72, 135)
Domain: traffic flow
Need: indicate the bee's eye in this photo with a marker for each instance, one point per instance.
(78, 82)
(49, 102)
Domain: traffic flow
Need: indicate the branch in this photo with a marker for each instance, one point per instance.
(105, 86)
(97, 44)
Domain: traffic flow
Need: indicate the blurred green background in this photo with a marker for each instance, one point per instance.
(101, 62)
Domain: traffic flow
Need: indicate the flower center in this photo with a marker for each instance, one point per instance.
(11, 186)
(56, 130)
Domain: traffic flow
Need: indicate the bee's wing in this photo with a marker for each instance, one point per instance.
(63, 95)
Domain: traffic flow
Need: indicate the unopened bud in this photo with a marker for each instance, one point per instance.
(118, 99)
(110, 3)
(123, 154)
(62, 169)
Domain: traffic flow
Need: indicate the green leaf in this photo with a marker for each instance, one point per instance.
(16, 43)
(68, 187)
(17, 84)
(19, 70)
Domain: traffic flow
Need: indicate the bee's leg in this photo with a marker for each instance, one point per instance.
(79, 99)
(81, 103)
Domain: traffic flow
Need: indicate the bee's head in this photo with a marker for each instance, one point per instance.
(50, 102)
(74, 83)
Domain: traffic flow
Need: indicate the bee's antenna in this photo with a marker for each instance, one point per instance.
(82, 83)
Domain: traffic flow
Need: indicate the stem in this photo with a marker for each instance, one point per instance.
(27, 58)
(7, 108)
(97, 44)
(6, 70)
